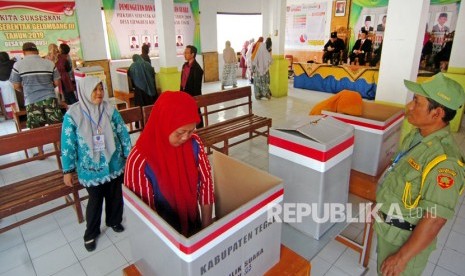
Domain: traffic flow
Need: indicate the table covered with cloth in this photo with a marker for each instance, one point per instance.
(332, 79)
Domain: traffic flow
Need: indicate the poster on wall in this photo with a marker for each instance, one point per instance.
(42, 23)
(306, 25)
(131, 24)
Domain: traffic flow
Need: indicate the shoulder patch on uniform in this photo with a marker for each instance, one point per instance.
(447, 171)
(445, 181)
(414, 164)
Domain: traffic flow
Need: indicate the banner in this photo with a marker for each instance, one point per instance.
(306, 25)
(131, 24)
(42, 23)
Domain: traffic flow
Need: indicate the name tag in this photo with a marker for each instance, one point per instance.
(99, 142)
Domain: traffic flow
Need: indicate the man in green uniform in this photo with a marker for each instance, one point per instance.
(419, 191)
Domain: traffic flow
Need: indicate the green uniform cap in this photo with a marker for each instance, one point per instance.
(441, 89)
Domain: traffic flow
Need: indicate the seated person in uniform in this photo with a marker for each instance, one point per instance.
(361, 49)
(333, 49)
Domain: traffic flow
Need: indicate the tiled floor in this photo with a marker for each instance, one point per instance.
(53, 245)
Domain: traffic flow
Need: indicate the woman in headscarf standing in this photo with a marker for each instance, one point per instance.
(168, 168)
(243, 62)
(95, 143)
(229, 68)
(65, 67)
(261, 62)
(142, 76)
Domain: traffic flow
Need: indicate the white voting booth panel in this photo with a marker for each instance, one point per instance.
(312, 155)
(97, 71)
(241, 241)
(377, 134)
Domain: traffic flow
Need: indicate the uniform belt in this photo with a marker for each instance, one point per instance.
(396, 222)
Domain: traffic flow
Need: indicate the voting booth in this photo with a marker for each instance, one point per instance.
(377, 134)
(313, 156)
(240, 241)
(97, 71)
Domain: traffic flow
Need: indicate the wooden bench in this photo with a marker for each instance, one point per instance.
(134, 118)
(233, 100)
(146, 110)
(37, 190)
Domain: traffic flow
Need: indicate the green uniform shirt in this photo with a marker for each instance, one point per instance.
(439, 156)
(441, 185)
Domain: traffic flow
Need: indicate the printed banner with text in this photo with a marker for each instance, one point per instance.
(131, 24)
(39, 22)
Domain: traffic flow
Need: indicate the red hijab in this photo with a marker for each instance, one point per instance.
(174, 167)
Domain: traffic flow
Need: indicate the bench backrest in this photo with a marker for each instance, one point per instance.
(238, 97)
(20, 141)
(132, 115)
(146, 110)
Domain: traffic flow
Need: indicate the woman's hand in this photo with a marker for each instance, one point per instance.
(68, 179)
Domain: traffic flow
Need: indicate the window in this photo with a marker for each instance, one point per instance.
(237, 28)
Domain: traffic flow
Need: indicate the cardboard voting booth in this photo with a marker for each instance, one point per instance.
(312, 155)
(240, 241)
(97, 71)
(377, 134)
(122, 81)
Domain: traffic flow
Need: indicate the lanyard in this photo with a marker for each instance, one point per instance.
(401, 154)
(99, 130)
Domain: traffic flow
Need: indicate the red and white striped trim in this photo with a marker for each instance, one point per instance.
(189, 253)
(122, 70)
(308, 157)
(370, 127)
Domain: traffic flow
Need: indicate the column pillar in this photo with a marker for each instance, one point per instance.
(169, 77)
(274, 25)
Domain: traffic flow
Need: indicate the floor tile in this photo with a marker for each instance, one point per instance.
(73, 270)
(26, 269)
(459, 225)
(319, 266)
(456, 241)
(103, 262)
(440, 271)
(334, 271)
(452, 260)
(124, 247)
(13, 257)
(38, 227)
(429, 269)
(81, 253)
(10, 239)
(348, 262)
(332, 251)
(54, 261)
(46, 243)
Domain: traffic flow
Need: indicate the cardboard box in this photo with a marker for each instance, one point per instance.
(313, 157)
(241, 240)
(122, 80)
(377, 134)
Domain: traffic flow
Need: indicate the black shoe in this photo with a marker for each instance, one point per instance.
(90, 245)
(118, 228)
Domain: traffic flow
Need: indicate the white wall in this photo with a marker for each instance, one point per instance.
(91, 29)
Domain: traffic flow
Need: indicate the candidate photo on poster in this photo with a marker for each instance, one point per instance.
(442, 22)
(155, 44)
(340, 8)
(146, 40)
(179, 40)
(133, 42)
(381, 23)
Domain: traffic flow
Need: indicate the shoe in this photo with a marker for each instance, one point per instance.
(234, 86)
(268, 96)
(90, 245)
(118, 228)
(222, 87)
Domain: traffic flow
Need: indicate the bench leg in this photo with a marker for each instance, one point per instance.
(77, 204)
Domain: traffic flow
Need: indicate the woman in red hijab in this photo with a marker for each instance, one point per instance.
(168, 168)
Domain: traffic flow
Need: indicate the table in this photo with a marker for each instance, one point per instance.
(334, 78)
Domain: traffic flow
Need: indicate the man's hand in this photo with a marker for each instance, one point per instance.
(393, 265)
(68, 179)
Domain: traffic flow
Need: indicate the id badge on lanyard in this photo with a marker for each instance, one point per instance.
(99, 142)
